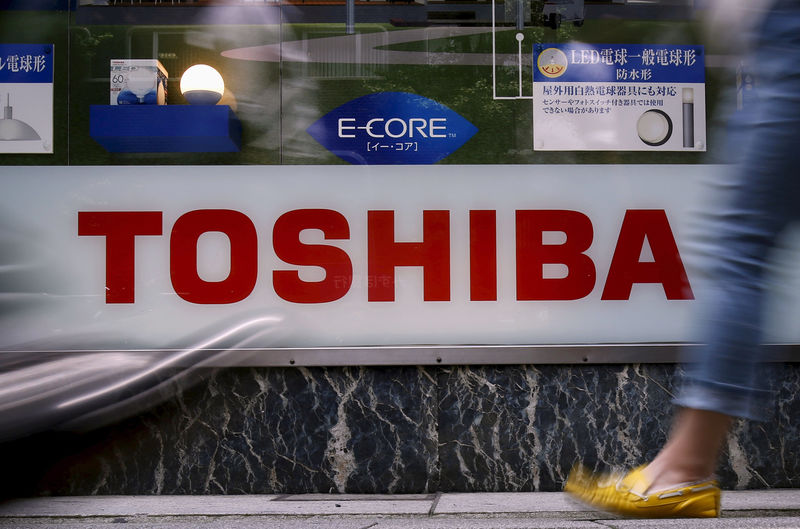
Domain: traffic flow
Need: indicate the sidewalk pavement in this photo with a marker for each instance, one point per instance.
(537, 510)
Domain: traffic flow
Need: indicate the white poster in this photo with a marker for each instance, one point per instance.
(590, 97)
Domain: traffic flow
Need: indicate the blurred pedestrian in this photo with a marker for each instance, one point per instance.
(722, 382)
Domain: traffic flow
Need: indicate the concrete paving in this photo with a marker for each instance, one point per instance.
(553, 510)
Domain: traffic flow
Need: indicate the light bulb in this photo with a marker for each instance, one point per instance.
(141, 81)
(202, 85)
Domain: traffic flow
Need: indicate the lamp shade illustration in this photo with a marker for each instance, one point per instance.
(13, 129)
(202, 85)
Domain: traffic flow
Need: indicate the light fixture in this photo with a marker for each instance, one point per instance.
(654, 127)
(202, 85)
(13, 129)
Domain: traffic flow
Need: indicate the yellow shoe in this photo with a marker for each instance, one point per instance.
(628, 495)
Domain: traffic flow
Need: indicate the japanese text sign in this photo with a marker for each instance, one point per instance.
(619, 97)
(26, 89)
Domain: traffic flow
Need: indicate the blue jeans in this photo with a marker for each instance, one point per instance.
(764, 199)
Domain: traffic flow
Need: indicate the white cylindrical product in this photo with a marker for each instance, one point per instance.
(688, 118)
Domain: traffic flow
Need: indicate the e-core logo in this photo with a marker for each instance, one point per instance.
(392, 128)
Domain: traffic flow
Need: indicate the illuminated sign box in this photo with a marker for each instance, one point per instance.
(265, 257)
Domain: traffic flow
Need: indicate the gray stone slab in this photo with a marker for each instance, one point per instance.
(259, 522)
(718, 523)
(353, 507)
(498, 502)
(448, 506)
(357, 497)
(135, 505)
(209, 505)
(221, 522)
(462, 522)
(773, 500)
(328, 522)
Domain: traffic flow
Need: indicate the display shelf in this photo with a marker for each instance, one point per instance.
(165, 128)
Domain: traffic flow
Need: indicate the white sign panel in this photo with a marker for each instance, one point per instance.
(136, 257)
(619, 97)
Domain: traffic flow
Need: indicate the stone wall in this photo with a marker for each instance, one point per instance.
(394, 430)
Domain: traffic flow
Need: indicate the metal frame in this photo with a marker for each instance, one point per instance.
(647, 353)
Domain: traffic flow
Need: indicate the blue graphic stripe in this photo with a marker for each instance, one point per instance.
(26, 63)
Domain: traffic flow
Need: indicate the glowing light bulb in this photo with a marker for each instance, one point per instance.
(202, 85)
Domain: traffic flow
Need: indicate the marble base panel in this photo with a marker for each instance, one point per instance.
(395, 430)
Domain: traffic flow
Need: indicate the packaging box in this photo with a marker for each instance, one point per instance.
(138, 82)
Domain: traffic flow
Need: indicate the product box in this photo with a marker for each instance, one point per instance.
(138, 82)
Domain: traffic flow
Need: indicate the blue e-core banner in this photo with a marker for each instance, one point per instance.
(392, 128)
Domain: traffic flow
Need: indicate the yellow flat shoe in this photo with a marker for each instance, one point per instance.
(628, 495)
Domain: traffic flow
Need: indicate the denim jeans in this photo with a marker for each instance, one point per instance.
(764, 199)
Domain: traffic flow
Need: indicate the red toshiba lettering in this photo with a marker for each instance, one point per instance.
(533, 254)
(432, 254)
(183, 256)
(335, 261)
(483, 255)
(120, 229)
(666, 267)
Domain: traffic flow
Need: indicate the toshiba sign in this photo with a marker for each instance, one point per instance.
(339, 256)
(384, 254)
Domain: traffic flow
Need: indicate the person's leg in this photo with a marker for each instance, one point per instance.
(692, 451)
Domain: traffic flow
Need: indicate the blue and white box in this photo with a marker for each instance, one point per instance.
(26, 98)
(618, 97)
(138, 82)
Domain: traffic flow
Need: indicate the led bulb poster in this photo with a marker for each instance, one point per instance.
(26, 91)
(602, 97)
